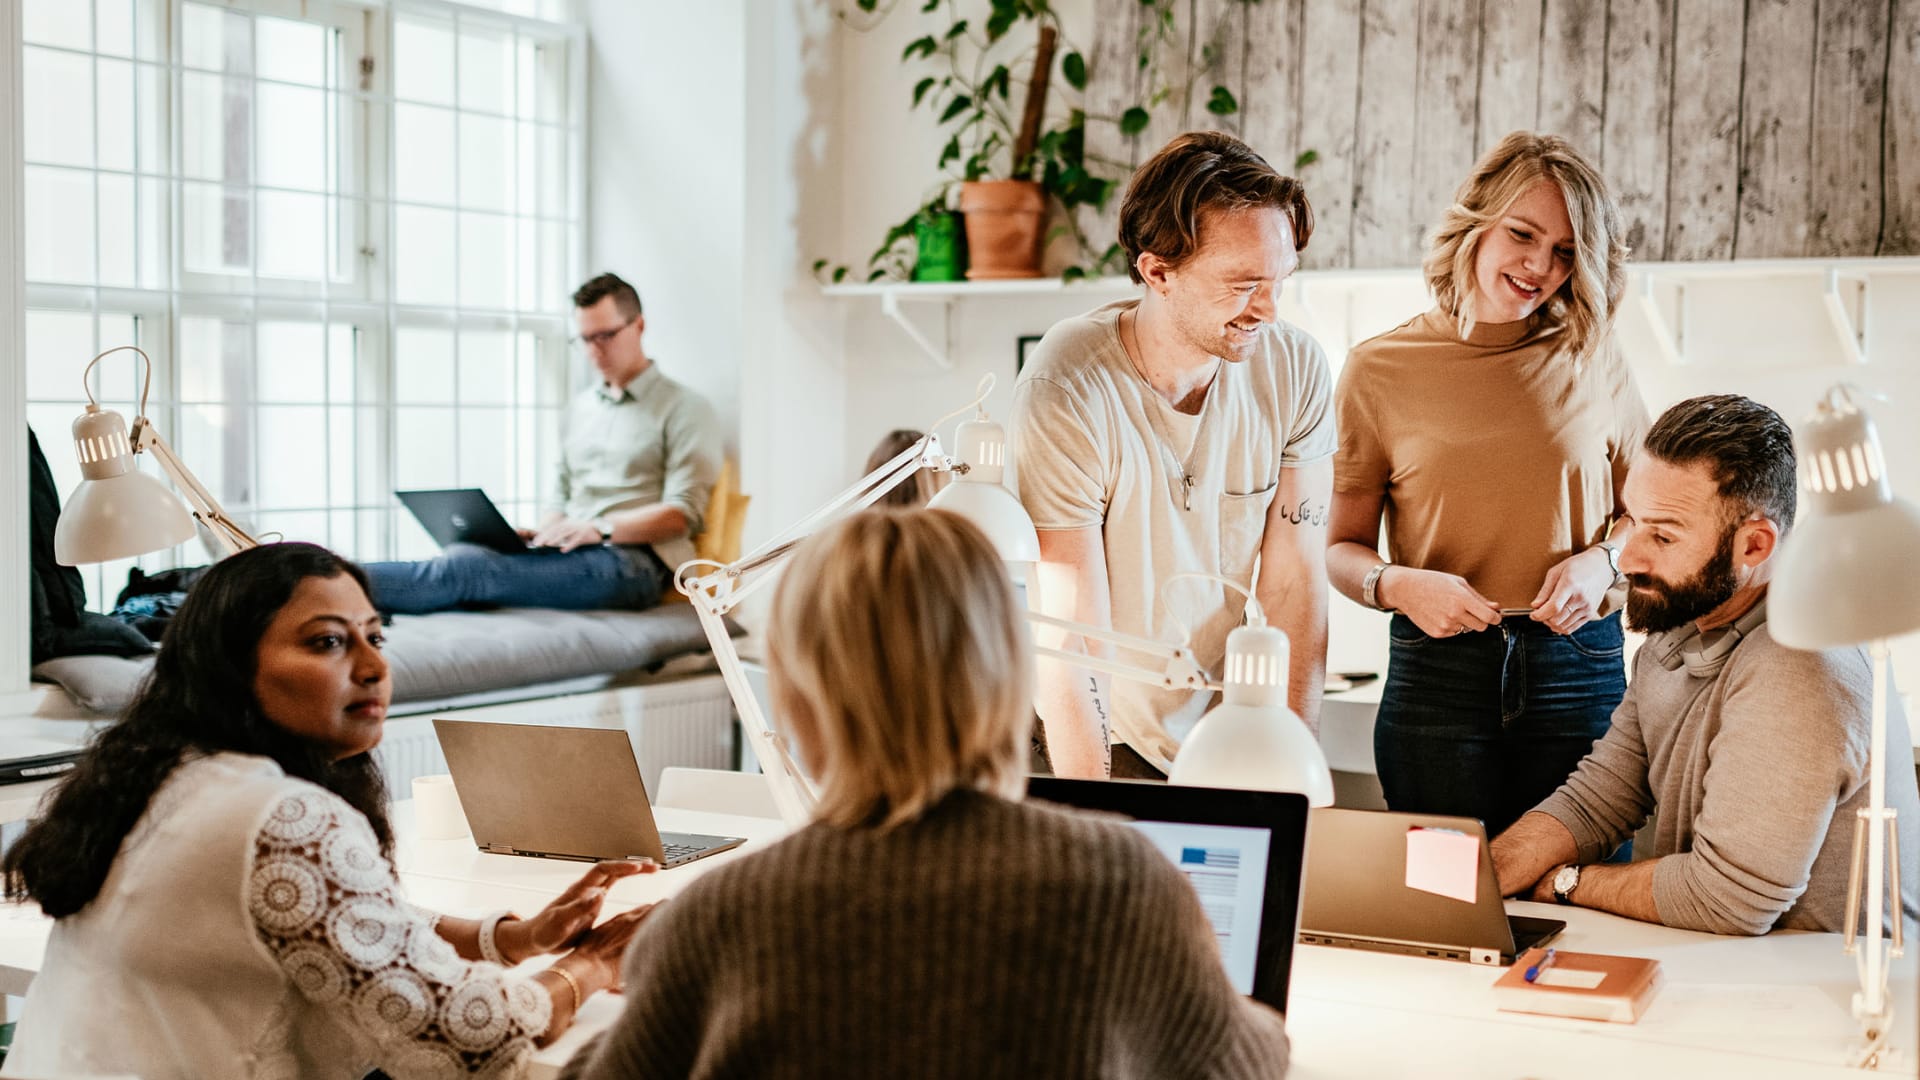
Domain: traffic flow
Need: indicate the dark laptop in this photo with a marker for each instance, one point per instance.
(1242, 850)
(1357, 894)
(560, 793)
(463, 516)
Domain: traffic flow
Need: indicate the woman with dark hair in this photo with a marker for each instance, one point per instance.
(218, 864)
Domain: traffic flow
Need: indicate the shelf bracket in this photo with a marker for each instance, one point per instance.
(940, 352)
(1851, 338)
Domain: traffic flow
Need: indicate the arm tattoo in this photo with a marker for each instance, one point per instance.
(1305, 513)
(1106, 726)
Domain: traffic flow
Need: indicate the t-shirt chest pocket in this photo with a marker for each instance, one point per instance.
(1243, 523)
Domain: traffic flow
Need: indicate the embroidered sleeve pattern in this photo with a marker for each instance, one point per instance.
(327, 906)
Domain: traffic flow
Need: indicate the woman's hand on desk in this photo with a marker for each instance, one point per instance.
(571, 915)
(1440, 604)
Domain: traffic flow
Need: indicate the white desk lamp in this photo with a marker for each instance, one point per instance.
(118, 511)
(1845, 578)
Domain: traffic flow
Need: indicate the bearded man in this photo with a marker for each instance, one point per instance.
(1749, 758)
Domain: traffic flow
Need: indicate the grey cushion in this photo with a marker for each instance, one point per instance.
(455, 654)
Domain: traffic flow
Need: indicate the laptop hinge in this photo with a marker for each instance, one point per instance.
(497, 849)
(1490, 957)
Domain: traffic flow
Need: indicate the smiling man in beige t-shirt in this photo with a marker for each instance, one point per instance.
(1188, 430)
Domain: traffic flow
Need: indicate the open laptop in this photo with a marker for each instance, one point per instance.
(1242, 850)
(1357, 894)
(463, 515)
(560, 793)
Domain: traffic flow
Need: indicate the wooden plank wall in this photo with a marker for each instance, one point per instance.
(1727, 128)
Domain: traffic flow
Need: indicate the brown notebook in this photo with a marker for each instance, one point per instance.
(1586, 986)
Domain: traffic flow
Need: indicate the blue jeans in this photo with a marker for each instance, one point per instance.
(468, 575)
(1488, 724)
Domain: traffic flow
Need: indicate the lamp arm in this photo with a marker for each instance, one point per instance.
(792, 792)
(1180, 671)
(206, 508)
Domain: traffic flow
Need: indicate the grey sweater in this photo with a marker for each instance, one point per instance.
(986, 939)
(1752, 776)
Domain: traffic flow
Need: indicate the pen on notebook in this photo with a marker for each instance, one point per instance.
(1540, 968)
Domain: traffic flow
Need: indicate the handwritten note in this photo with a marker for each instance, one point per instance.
(1445, 862)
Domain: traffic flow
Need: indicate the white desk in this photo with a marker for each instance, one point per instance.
(1776, 1006)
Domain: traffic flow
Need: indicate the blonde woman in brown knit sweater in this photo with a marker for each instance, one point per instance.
(928, 923)
(1493, 435)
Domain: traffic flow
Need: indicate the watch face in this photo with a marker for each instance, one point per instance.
(1565, 880)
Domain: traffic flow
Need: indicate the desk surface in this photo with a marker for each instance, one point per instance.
(1775, 1006)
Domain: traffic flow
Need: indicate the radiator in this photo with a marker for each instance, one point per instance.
(686, 721)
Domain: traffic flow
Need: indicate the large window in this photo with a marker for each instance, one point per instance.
(345, 234)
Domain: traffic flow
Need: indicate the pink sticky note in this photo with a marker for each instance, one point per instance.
(1444, 862)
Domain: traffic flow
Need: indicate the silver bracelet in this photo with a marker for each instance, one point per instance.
(1370, 585)
(489, 948)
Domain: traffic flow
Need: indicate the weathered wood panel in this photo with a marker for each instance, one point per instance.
(1573, 56)
(1113, 85)
(1384, 130)
(1900, 215)
(1634, 129)
(1509, 94)
(1444, 148)
(1776, 130)
(1220, 52)
(1271, 103)
(1703, 175)
(1179, 55)
(1849, 102)
(1329, 90)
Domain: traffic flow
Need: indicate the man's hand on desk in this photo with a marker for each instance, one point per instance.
(564, 922)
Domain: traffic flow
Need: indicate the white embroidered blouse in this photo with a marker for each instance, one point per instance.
(250, 927)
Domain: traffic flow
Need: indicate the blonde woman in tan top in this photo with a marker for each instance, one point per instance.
(1493, 435)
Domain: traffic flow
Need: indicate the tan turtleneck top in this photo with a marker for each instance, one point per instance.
(1498, 456)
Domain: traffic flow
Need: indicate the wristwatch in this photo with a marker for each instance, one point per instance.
(1613, 561)
(1370, 586)
(1565, 880)
(606, 529)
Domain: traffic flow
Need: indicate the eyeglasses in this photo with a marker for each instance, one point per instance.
(599, 338)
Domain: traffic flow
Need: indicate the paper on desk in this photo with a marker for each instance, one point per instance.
(1445, 862)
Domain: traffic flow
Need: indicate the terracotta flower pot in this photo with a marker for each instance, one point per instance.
(1005, 221)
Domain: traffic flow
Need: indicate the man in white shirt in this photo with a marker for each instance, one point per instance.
(639, 457)
(1188, 430)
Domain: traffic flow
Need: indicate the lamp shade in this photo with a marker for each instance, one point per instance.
(1252, 740)
(1844, 575)
(977, 494)
(118, 511)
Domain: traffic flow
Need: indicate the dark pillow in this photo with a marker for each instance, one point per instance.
(62, 625)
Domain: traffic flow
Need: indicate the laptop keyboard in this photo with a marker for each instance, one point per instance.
(679, 853)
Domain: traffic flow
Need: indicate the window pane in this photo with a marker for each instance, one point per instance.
(486, 253)
(423, 154)
(214, 445)
(423, 366)
(342, 363)
(292, 455)
(58, 106)
(306, 525)
(117, 231)
(486, 162)
(115, 137)
(485, 450)
(423, 61)
(424, 452)
(291, 51)
(113, 27)
(56, 22)
(216, 40)
(486, 367)
(542, 74)
(486, 70)
(424, 263)
(215, 128)
(150, 241)
(214, 224)
(293, 137)
(59, 344)
(150, 90)
(343, 448)
(290, 362)
(216, 360)
(293, 235)
(59, 211)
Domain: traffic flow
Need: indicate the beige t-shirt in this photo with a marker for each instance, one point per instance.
(1094, 445)
(1498, 456)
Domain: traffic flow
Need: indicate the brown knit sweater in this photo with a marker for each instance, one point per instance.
(986, 939)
